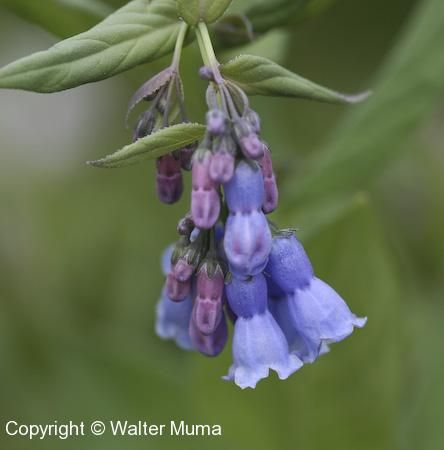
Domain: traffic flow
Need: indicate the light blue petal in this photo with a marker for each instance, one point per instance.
(173, 319)
(258, 346)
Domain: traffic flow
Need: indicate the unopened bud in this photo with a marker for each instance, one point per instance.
(205, 201)
(186, 156)
(271, 191)
(251, 146)
(253, 119)
(212, 344)
(216, 122)
(177, 290)
(207, 311)
(169, 181)
(222, 167)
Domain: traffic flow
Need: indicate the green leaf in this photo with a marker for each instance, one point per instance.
(409, 87)
(260, 76)
(208, 11)
(140, 32)
(64, 18)
(153, 146)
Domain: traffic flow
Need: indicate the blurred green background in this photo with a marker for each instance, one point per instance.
(79, 247)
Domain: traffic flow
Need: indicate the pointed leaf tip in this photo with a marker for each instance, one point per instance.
(260, 76)
(164, 141)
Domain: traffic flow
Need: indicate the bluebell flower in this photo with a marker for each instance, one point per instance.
(311, 314)
(258, 343)
(227, 264)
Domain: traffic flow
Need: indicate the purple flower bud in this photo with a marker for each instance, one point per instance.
(206, 73)
(207, 311)
(247, 297)
(144, 126)
(205, 201)
(209, 345)
(245, 191)
(251, 146)
(183, 270)
(169, 179)
(253, 119)
(185, 226)
(288, 264)
(176, 290)
(222, 167)
(271, 196)
(186, 156)
(247, 243)
(216, 122)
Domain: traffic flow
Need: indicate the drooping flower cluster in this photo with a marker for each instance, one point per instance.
(231, 263)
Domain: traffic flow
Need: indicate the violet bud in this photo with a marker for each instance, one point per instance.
(245, 191)
(144, 126)
(222, 166)
(253, 119)
(249, 142)
(169, 181)
(212, 344)
(186, 156)
(271, 196)
(207, 311)
(177, 290)
(205, 201)
(251, 146)
(216, 122)
(185, 226)
(206, 73)
(183, 270)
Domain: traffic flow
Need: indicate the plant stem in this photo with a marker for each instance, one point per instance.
(179, 45)
(207, 51)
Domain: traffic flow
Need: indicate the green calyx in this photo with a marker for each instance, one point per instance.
(207, 11)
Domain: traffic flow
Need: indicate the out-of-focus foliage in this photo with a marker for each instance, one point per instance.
(64, 18)
(79, 248)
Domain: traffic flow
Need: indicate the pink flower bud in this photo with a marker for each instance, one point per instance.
(182, 270)
(177, 290)
(186, 156)
(207, 311)
(251, 146)
(222, 166)
(169, 181)
(205, 201)
(271, 196)
(212, 344)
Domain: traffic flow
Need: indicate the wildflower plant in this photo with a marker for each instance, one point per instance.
(230, 262)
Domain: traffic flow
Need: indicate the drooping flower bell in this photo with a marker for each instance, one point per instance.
(311, 314)
(258, 343)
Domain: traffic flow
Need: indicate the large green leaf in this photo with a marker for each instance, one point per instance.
(155, 145)
(64, 18)
(140, 32)
(408, 88)
(260, 76)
